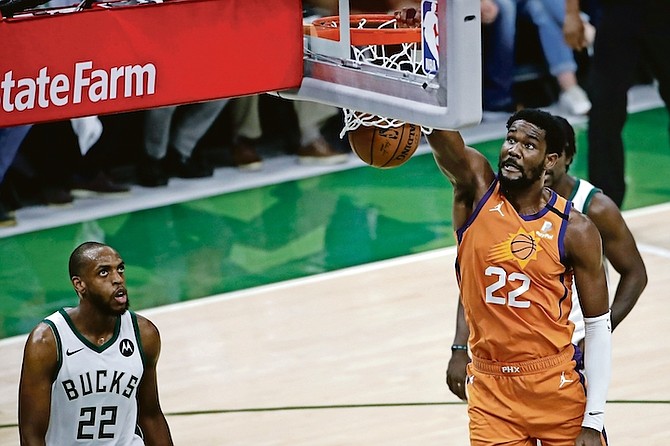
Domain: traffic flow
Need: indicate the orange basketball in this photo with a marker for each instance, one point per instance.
(385, 147)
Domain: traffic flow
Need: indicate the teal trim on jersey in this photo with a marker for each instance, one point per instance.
(59, 348)
(138, 337)
(589, 197)
(574, 189)
(89, 344)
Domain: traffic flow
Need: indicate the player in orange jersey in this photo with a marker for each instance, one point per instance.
(519, 247)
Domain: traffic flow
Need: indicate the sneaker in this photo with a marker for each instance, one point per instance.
(245, 156)
(575, 101)
(190, 168)
(320, 153)
(56, 196)
(150, 173)
(100, 185)
(7, 217)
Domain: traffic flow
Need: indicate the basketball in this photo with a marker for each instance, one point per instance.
(385, 148)
(523, 246)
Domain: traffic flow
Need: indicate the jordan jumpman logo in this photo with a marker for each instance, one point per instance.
(497, 208)
(564, 380)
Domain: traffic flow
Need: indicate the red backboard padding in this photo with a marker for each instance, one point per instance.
(101, 60)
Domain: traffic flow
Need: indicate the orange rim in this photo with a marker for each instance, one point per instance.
(371, 35)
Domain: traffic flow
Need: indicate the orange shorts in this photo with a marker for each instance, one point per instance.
(515, 403)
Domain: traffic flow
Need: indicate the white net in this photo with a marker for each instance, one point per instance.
(384, 47)
(405, 56)
(354, 119)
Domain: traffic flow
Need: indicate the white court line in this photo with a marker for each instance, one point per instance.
(647, 210)
(643, 212)
(654, 250)
(316, 278)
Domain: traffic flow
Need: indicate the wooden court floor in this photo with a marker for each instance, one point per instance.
(358, 357)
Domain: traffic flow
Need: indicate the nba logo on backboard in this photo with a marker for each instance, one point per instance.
(429, 33)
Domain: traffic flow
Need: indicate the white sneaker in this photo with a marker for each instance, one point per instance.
(574, 101)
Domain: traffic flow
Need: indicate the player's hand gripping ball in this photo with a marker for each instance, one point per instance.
(385, 147)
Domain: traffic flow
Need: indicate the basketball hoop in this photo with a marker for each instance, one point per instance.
(366, 29)
(377, 40)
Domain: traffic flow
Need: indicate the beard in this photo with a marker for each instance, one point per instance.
(111, 310)
(124, 308)
(523, 182)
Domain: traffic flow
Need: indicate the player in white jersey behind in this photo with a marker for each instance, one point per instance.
(618, 242)
(89, 372)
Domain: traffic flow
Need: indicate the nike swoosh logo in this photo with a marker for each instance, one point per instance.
(596, 413)
(70, 353)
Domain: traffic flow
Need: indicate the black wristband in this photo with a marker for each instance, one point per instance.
(459, 347)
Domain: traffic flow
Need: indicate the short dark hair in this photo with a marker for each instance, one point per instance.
(77, 258)
(554, 135)
(570, 146)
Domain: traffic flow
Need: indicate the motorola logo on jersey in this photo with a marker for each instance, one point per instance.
(85, 83)
(126, 347)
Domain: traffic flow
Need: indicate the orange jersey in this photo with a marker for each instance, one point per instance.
(516, 291)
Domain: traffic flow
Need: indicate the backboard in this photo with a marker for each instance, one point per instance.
(444, 91)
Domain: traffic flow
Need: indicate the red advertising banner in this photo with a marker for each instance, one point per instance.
(120, 58)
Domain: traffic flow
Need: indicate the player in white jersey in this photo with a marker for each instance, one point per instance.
(618, 244)
(89, 372)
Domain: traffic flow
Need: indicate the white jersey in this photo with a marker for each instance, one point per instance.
(94, 393)
(581, 197)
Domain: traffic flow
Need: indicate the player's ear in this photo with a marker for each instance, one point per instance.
(78, 284)
(550, 160)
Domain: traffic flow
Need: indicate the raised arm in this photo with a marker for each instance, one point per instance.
(151, 418)
(463, 165)
(468, 170)
(621, 251)
(40, 360)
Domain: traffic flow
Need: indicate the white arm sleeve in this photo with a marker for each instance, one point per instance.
(597, 368)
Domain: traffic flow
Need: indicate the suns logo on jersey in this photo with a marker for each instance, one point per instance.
(520, 247)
